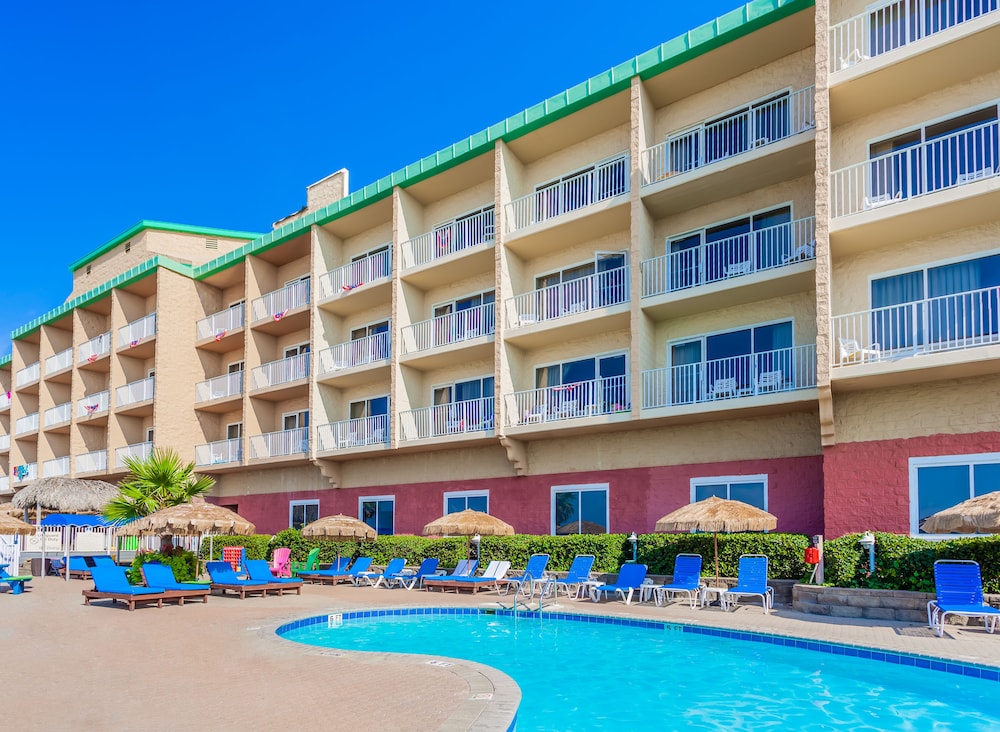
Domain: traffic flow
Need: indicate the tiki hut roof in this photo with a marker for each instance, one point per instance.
(10, 525)
(66, 495)
(718, 514)
(190, 519)
(979, 515)
(339, 527)
(468, 523)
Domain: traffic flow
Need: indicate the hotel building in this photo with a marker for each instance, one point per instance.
(760, 261)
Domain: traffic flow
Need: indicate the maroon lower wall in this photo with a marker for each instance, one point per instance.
(868, 483)
(637, 496)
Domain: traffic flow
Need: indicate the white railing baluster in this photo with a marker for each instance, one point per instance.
(283, 442)
(282, 371)
(55, 467)
(581, 295)
(92, 461)
(219, 387)
(94, 348)
(370, 349)
(360, 432)
(138, 451)
(30, 373)
(276, 304)
(131, 334)
(58, 362)
(28, 423)
(448, 238)
(343, 280)
(93, 404)
(219, 452)
(4, 443)
(608, 395)
(474, 415)
(219, 324)
(58, 414)
(447, 329)
(134, 392)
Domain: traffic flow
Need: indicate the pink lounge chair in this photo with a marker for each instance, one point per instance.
(281, 562)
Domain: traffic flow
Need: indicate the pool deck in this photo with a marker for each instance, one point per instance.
(180, 668)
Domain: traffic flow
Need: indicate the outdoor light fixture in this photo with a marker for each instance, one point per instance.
(634, 540)
(475, 543)
(867, 540)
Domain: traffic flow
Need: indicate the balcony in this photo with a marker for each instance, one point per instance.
(585, 306)
(135, 396)
(56, 467)
(4, 443)
(279, 444)
(138, 451)
(222, 331)
(456, 249)
(472, 418)
(357, 286)
(723, 273)
(940, 337)
(939, 185)
(732, 155)
(26, 425)
(286, 372)
(59, 362)
(92, 462)
(137, 336)
(220, 453)
(58, 415)
(5, 484)
(602, 396)
(284, 310)
(899, 51)
(587, 205)
(93, 404)
(218, 394)
(353, 362)
(24, 473)
(722, 383)
(28, 375)
(92, 350)
(353, 433)
(447, 333)
(4, 401)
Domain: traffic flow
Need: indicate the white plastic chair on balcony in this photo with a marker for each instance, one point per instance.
(852, 352)
(883, 199)
(527, 318)
(724, 388)
(974, 175)
(854, 57)
(802, 253)
(770, 381)
(736, 269)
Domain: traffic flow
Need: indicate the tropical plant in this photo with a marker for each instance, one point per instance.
(156, 481)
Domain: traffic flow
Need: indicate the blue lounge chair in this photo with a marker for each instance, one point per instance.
(161, 575)
(958, 588)
(686, 579)
(533, 573)
(259, 569)
(225, 579)
(411, 579)
(360, 566)
(393, 568)
(495, 571)
(111, 583)
(630, 578)
(16, 583)
(578, 574)
(751, 581)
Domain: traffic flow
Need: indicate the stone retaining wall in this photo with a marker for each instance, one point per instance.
(851, 602)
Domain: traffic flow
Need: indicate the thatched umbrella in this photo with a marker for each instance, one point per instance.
(10, 525)
(717, 514)
(339, 528)
(468, 523)
(65, 495)
(979, 515)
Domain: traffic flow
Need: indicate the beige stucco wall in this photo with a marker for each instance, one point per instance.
(841, 10)
(466, 200)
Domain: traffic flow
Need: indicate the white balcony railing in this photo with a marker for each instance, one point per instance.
(452, 328)
(711, 141)
(603, 181)
(4, 400)
(26, 424)
(949, 323)
(218, 324)
(135, 392)
(28, 374)
(370, 349)
(582, 295)
(5, 484)
(131, 334)
(93, 404)
(59, 414)
(218, 453)
(58, 362)
(474, 415)
(138, 451)
(353, 433)
(220, 387)
(448, 238)
(92, 462)
(282, 371)
(609, 395)
(276, 444)
(94, 348)
(4, 443)
(755, 251)
(24, 472)
(372, 269)
(276, 304)
(55, 467)
(896, 24)
(946, 162)
(768, 372)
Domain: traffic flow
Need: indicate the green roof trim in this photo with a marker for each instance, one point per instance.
(5, 360)
(160, 226)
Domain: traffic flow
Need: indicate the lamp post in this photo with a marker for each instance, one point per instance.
(867, 540)
(634, 541)
(475, 543)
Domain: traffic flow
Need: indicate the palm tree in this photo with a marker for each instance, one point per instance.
(156, 481)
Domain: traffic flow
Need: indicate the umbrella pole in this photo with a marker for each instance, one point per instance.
(715, 537)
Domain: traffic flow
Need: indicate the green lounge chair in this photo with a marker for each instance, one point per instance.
(311, 564)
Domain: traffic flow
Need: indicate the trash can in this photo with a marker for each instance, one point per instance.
(36, 567)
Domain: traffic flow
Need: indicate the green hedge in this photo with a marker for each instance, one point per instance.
(182, 562)
(906, 563)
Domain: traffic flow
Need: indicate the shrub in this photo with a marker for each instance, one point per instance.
(182, 562)
(257, 546)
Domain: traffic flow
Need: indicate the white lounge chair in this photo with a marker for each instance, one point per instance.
(770, 381)
(724, 388)
(739, 268)
(852, 352)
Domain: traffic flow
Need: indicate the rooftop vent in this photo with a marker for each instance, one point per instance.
(211, 243)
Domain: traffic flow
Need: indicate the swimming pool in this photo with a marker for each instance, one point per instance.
(579, 672)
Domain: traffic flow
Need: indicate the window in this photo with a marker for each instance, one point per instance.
(455, 501)
(149, 434)
(378, 266)
(464, 406)
(580, 509)
(379, 513)
(295, 420)
(234, 431)
(593, 385)
(301, 513)
(296, 365)
(467, 317)
(750, 489)
(467, 230)
(581, 188)
(599, 283)
(370, 343)
(369, 421)
(235, 367)
(895, 24)
(937, 483)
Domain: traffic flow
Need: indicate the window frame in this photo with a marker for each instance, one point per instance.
(704, 336)
(466, 495)
(749, 216)
(915, 463)
(305, 502)
(580, 488)
(729, 480)
(378, 499)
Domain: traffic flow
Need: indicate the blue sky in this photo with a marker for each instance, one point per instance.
(221, 113)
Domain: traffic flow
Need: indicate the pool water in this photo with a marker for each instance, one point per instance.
(589, 676)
